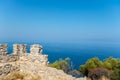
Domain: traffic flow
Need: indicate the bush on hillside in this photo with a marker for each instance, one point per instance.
(112, 64)
(61, 64)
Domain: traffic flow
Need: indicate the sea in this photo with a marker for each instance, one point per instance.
(79, 53)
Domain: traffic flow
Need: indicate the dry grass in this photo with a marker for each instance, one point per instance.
(20, 76)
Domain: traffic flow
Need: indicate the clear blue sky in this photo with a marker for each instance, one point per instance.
(60, 20)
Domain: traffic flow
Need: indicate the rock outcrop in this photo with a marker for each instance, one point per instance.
(30, 64)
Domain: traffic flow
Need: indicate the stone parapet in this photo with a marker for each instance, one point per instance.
(20, 54)
(19, 49)
(3, 49)
(36, 49)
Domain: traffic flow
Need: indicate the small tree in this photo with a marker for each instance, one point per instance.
(75, 73)
(90, 65)
(62, 64)
(113, 64)
(98, 73)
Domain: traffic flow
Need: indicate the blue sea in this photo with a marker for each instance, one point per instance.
(79, 53)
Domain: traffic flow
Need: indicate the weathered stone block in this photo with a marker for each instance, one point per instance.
(12, 58)
(3, 49)
(36, 49)
(19, 49)
(7, 69)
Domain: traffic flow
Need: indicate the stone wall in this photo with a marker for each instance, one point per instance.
(36, 49)
(9, 58)
(7, 68)
(3, 49)
(8, 62)
(20, 53)
(19, 49)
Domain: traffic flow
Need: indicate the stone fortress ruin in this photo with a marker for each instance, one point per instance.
(29, 64)
(8, 61)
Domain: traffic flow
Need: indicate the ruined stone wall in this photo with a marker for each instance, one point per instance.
(8, 68)
(4, 57)
(19, 49)
(3, 49)
(20, 53)
(8, 61)
(36, 49)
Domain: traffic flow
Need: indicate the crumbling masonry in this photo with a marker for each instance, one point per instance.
(8, 61)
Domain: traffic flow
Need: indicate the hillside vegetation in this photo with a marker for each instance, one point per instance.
(94, 68)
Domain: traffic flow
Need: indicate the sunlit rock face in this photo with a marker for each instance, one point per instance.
(30, 64)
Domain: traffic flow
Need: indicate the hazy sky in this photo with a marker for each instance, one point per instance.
(60, 20)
